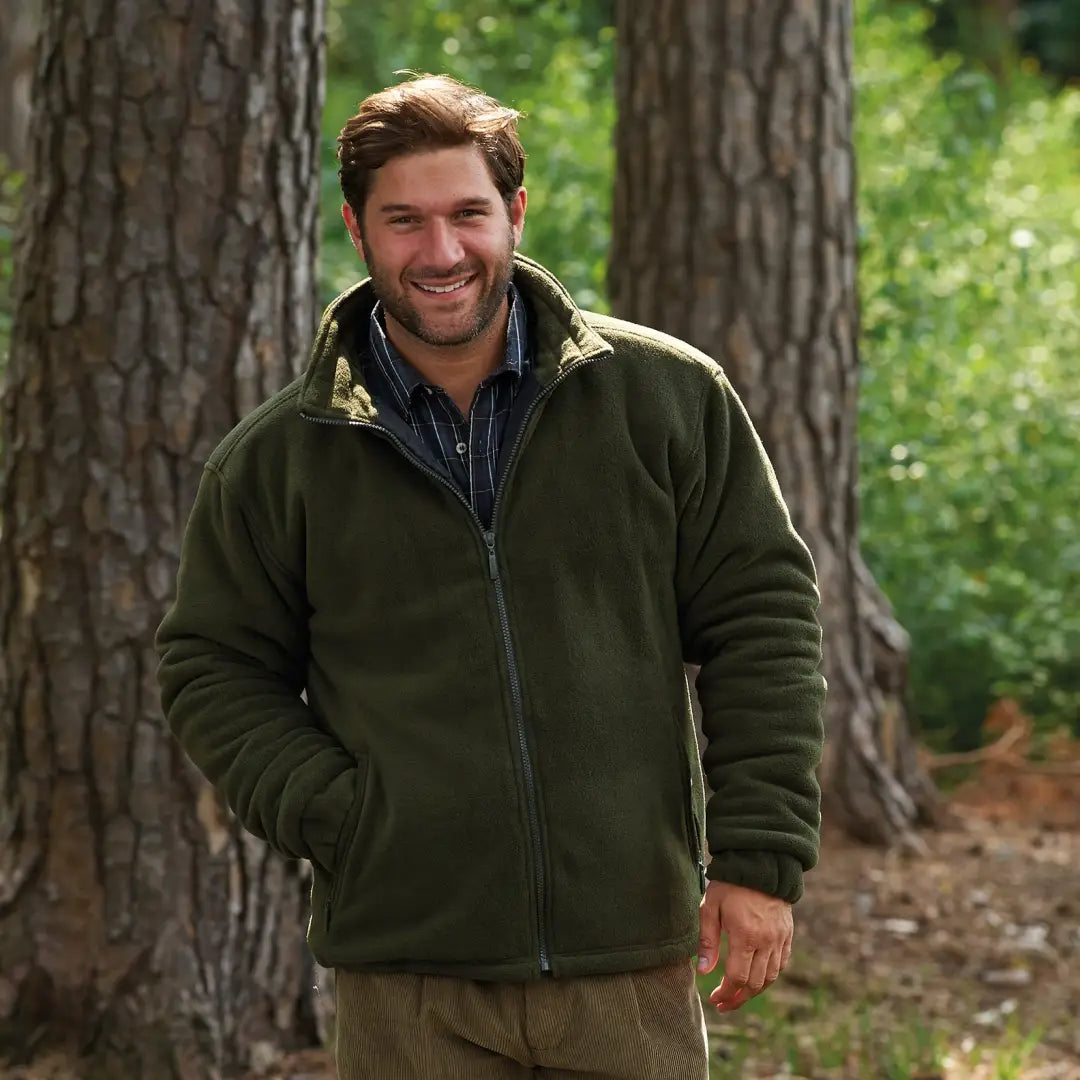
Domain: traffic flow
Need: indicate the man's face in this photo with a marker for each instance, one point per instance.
(439, 242)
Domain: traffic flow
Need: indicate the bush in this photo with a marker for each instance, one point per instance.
(969, 275)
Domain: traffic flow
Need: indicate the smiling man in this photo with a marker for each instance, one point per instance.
(480, 536)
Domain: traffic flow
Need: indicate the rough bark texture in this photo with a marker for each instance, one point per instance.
(165, 286)
(734, 229)
(18, 25)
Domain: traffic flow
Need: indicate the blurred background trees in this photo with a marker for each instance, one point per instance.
(967, 193)
(734, 229)
(969, 272)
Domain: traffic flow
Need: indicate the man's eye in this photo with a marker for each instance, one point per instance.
(402, 220)
(472, 213)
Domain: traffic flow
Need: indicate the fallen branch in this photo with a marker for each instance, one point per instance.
(1005, 751)
(1001, 750)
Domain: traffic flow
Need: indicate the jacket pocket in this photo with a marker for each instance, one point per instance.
(691, 825)
(347, 837)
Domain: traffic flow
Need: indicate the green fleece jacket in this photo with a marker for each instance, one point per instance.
(481, 739)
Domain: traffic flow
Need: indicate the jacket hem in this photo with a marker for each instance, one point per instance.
(566, 965)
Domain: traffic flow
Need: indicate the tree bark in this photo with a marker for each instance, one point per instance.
(165, 286)
(17, 31)
(734, 229)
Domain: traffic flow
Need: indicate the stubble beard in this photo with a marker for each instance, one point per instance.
(395, 299)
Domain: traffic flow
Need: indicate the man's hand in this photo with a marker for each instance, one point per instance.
(759, 929)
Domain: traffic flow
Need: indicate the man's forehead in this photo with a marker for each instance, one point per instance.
(462, 163)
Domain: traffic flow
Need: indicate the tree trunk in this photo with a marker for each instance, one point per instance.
(17, 29)
(735, 230)
(165, 286)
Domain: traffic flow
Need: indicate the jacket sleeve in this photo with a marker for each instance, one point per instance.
(748, 599)
(233, 653)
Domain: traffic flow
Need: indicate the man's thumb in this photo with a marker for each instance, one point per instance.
(708, 950)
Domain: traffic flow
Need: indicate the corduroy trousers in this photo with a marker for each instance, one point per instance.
(637, 1025)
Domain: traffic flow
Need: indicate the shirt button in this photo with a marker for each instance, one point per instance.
(461, 448)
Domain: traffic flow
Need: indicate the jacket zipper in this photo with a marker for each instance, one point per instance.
(488, 536)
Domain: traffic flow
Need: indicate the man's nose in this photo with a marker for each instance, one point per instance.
(444, 248)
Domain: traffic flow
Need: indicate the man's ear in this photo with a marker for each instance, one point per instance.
(517, 214)
(353, 226)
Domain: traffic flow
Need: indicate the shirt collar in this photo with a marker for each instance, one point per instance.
(404, 380)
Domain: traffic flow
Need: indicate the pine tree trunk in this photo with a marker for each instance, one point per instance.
(165, 286)
(735, 230)
(18, 25)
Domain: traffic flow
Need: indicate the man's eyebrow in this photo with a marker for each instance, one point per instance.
(408, 208)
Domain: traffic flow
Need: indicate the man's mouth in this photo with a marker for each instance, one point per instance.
(453, 286)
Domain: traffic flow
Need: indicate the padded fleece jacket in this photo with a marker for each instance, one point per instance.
(494, 773)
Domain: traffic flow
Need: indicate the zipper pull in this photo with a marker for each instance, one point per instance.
(493, 567)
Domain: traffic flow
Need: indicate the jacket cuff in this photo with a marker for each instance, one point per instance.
(769, 872)
(324, 817)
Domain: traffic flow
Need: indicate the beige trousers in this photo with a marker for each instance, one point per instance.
(639, 1025)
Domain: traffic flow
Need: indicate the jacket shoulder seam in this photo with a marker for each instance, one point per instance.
(257, 531)
(682, 349)
(670, 344)
(254, 419)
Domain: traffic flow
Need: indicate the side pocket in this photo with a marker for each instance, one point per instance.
(694, 840)
(693, 828)
(346, 838)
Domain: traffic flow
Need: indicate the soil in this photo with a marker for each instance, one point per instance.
(977, 939)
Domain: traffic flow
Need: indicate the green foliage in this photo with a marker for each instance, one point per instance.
(1046, 30)
(1011, 1061)
(1050, 31)
(969, 275)
(969, 278)
(552, 59)
(827, 1033)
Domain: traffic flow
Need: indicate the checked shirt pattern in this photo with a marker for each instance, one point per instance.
(467, 447)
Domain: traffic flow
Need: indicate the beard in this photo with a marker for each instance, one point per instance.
(452, 328)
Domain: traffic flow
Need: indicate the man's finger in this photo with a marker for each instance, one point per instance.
(785, 957)
(737, 1002)
(764, 961)
(708, 950)
(736, 971)
(775, 966)
(759, 971)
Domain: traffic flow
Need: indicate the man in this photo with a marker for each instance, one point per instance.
(483, 532)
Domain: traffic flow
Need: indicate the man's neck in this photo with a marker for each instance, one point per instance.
(458, 369)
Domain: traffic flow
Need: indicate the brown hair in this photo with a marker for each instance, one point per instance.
(429, 112)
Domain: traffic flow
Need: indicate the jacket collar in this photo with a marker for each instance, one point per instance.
(334, 386)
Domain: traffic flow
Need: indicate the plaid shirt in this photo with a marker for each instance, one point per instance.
(467, 448)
